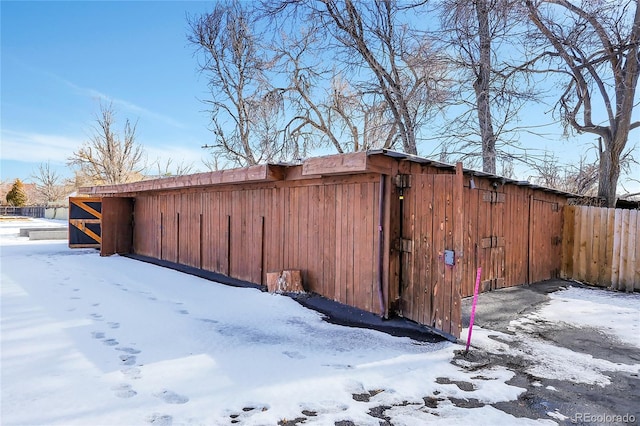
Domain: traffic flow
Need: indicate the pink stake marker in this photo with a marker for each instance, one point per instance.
(473, 307)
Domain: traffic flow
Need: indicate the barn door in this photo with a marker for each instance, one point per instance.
(85, 217)
(491, 248)
(428, 291)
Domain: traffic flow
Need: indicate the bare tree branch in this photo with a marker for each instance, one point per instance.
(108, 157)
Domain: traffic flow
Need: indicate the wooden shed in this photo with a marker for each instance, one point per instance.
(382, 231)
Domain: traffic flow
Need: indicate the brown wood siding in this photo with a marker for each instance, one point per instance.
(329, 231)
(117, 222)
(327, 227)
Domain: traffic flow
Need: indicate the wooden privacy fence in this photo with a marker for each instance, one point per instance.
(601, 246)
(30, 211)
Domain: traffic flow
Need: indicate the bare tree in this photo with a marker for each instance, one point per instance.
(309, 124)
(108, 157)
(234, 62)
(480, 37)
(580, 178)
(49, 184)
(389, 60)
(594, 46)
(215, 162)
(340, 116)
(166, 169)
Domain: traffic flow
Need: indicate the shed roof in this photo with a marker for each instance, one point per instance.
(338, 164)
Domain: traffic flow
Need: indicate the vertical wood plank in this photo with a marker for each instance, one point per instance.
(623, 280)
(458, 246)
(582, 251)
(589, 246)
(567, 241)
(361, 249)
(617, 242)
(349, 241)
(329, 250)
(418, 289)
(603, 255)
(440, 238)
(632, 250)
(636, 259)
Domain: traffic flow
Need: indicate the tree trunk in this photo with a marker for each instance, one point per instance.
(482, 88)
(609, 174)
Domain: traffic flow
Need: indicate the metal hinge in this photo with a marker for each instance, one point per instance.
(493, 197)
(490, 242)
(404, 245)
(402, 181)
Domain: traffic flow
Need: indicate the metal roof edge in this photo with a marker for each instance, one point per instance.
(472, 172)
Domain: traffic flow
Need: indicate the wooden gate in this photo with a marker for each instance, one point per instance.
(545, 250)
(85, 215)
(491, 250)
(429, 288)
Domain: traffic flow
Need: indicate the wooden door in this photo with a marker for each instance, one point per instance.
(491, 247)
(429, 292)
(545, 248)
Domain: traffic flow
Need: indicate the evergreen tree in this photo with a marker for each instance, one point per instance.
(17, 195)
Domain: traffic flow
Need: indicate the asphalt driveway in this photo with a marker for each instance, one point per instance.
(565, 401)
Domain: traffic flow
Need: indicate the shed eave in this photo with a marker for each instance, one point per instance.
(252, 174)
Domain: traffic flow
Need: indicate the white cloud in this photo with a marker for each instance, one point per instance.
(129, 106)
(36, 147)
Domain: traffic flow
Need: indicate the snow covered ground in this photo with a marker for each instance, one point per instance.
(113, 341)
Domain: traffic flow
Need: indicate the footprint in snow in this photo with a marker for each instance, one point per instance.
(124, 391)
(113, 324)
(111, 342)
(157, 419)
(96, 317)
(183, 312)
(132, 373)
(128, 359)
(171, 397)
(97, 334)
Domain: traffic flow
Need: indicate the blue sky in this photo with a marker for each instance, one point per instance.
(59, 60)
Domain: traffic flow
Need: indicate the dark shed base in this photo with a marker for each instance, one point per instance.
(338, 313)
(334, 312)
